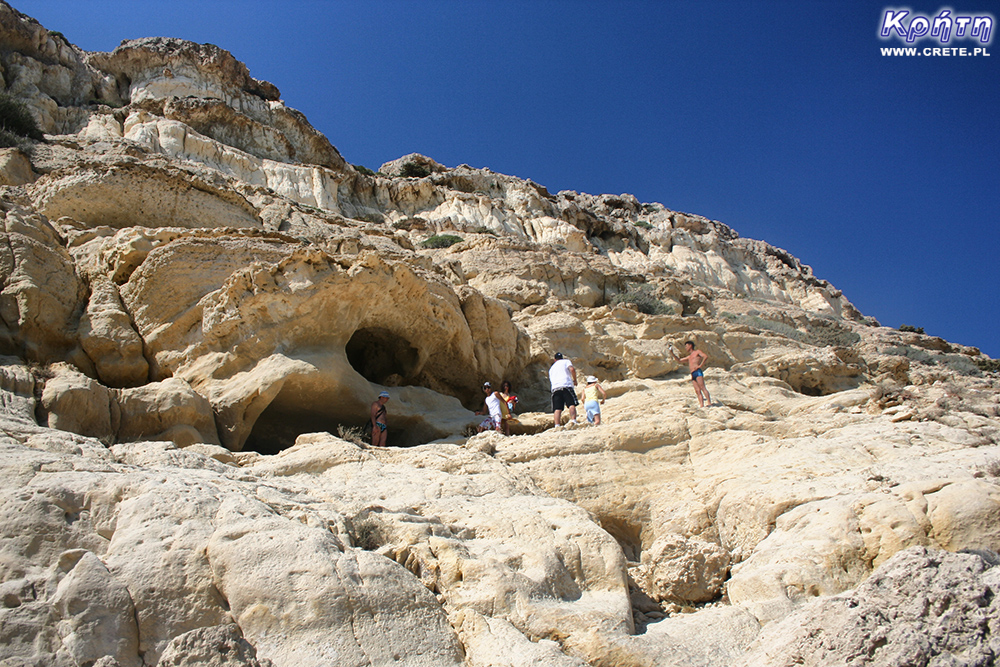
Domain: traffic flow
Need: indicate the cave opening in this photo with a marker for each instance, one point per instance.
(300, 409)
(280, 424)
(382, 356)
(627, 535)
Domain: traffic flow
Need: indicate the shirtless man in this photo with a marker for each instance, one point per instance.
(380, 424)
(696, 359)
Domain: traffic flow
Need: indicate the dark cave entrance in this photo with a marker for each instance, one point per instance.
(307, 408)
(382, 356)
(278, 426)
(379, 355)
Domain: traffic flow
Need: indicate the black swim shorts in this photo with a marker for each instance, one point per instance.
(563, 398)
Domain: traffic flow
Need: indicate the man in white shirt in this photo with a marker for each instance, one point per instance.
(562, 379)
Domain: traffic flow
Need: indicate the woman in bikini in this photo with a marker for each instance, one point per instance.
(380, 422)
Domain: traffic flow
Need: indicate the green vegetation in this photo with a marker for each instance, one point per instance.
(988, 365)
(361, 169)
(16, 123)
(910, 329)
(373, 217)
(643, 299)
(414, 170)
(441, 241)
(484, 230)
(643, 224)
(823, 333)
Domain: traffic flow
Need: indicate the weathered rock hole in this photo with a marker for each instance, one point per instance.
(382, 356)
(301, 409)
(279, 425)
(11, 601)
(629, 537)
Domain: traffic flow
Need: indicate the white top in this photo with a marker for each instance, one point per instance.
(493, 403)
(559, 374)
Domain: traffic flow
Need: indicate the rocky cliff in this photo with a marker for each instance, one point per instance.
(200, 298)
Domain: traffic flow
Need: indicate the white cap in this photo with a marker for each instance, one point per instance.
(591, 379)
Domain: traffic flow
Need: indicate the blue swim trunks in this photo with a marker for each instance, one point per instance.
(696, 373)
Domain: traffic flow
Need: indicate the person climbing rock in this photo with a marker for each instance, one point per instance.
(562, 379)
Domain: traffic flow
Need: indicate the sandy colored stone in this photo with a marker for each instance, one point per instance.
(151, 411)
(198, 277)
(922, 606)
(15, 167)
(685, 569)
(109, 339)
(218, 646)
(76, 403)
(41, 290)
(97, 614)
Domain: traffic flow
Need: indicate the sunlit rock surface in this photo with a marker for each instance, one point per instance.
(200, 299)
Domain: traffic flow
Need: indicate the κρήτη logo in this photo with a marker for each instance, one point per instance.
(904, 24)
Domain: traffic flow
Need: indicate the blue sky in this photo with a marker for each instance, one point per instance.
(781, 119)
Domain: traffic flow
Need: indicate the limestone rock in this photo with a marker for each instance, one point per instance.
(921, 607)
(218, 646)
(416, 162)
(491, 642)
(142, 192)
(108, 338)
(250, 294)
(15, 167)
(49, 74)
(814, 372)
(17, 391)
(708, 637)
(167, 410)
(96, 611)
(691, 570)
(79, 404)
(41, 290)
(395, 618)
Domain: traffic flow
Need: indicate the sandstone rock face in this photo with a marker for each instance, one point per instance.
(110, 340)
(219, 646)
(200, 299)
(920, 607)
(15, 167)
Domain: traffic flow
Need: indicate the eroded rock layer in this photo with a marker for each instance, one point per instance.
(200, 299)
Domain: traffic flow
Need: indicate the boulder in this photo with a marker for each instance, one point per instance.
(15, 167)
(682, 569)
(923, 606)
(167, 410)
(79, 404)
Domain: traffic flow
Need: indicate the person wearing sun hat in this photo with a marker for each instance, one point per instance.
(380, 423)
(590, 400)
